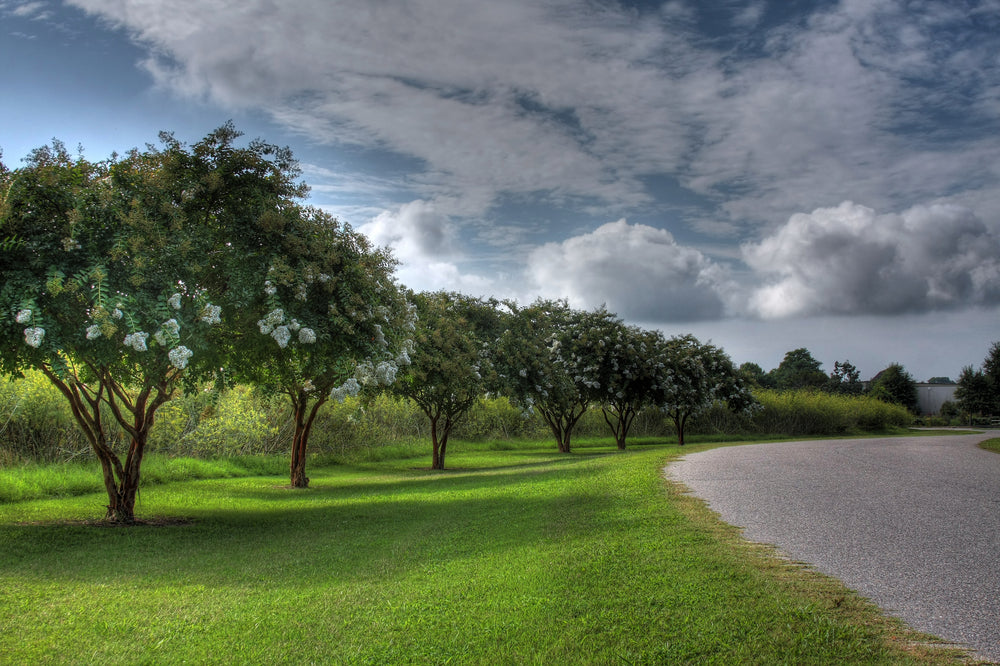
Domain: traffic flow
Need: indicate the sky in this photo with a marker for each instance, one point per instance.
(765, 174)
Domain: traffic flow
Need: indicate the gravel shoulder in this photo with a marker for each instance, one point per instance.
(912, 523)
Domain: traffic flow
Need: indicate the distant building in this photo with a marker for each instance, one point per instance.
(930, 397)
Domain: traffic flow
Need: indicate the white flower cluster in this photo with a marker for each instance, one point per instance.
(169, 331)
(179, 356)
(136, 341)
(370, 374)
(211, 314)
(175, 301)
(93, 331)
(273, 325)
(349, 388)
(33, 336)
(272, 320)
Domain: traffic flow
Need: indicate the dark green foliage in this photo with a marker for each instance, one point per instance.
(845, 379)
(895, 385)
(798, 370)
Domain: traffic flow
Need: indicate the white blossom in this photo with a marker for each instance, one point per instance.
(23, 316)
(271, 320)
(307, 336)
(93, 332)
(33, 336)
(169, 330)
(210, 315)
(301, 294)
(308, 386)
(281, 335)
(175, 301)
(179, 356)
(269, 288)
(385, 373)
(349, 388)
(137, 340)
(117, 313)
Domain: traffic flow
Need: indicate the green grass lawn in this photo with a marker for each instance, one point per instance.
(521, 556)
(991, 445)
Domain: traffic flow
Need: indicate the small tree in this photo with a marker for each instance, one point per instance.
(449, 368)
(896, 385)
(546, 362)
(799, 370)
(99, 317)
(694, 377)
(627, 371)
(754, 375)
(845, 379)
(974, 392)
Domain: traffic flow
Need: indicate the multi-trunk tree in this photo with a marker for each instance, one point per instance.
(546, 357)
(450, 368)
(323, 318)
(628, 374)
(695, 376)
(123, 278)
(89, 299)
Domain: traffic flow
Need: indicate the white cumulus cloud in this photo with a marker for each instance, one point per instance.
(852, 260)
(638, 271)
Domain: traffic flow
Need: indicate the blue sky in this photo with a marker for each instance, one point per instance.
(765, 174)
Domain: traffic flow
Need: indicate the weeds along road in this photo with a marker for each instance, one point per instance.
(911, 523)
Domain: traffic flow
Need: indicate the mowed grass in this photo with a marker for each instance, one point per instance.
(521, 556)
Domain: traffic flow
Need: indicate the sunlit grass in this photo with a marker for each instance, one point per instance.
(991, 445)
(512, 556)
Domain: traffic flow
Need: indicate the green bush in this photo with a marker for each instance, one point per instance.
(36, 424)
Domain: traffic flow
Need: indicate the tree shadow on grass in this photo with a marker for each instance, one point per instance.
(360, 531)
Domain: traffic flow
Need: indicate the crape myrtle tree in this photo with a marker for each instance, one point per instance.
(695, 376)
(314, 312)
(628, 372)
(546, 362)
(101, 293)
(450, 369)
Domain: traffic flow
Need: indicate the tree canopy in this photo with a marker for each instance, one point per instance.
(449, 367)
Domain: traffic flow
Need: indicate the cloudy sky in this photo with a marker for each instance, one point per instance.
(766, 174)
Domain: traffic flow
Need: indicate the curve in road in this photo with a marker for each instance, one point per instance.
(911, 523)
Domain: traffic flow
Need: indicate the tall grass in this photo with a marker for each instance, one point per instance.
(37, 426)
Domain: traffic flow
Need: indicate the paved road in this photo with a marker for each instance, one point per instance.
(911, 523)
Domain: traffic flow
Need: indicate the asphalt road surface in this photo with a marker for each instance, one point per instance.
(912, 523)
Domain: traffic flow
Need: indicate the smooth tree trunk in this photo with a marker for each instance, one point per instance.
(561, 424)
(440, 431)
(121, 481)
(680, 420)
(304, 417)
(136, 414)
(85, 404)
(621, 424)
